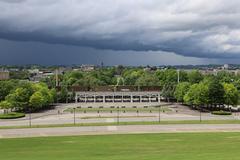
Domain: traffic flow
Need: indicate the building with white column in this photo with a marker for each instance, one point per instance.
(116, 97)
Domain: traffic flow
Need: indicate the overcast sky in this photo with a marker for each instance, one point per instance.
(128, 32)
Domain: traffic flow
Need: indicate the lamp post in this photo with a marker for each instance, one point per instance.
(30, 117)
(159, 109)
(74, 116)
(159, 114)
(200, 113)
(118, 115)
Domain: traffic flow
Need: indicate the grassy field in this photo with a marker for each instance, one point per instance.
(12, 115)
(126, 123)
(176, 146)
(104, 117)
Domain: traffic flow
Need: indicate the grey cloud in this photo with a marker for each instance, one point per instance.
(199, 28)
(12, 1)
(17, 53)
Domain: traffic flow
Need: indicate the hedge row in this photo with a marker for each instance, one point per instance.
(221, 113)
(12, 115)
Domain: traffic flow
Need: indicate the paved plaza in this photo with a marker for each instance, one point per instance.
(59, 115)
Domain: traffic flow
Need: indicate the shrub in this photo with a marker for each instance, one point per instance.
(221, 113)
(12, 115)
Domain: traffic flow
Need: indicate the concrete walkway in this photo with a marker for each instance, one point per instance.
(128, 129)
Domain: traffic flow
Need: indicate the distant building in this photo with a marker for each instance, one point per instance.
(33, 71)
(4, 75)
(149, 68)
(209, 71)
(123, 94)
(86, 68)
(237, 72)
(39, 75)
(13, 69)
(225, 66)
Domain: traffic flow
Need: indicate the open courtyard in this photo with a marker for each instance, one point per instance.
(88, 113)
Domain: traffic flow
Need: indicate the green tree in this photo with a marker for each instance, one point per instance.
(197, 95)
(132, 75)
(237, 84)
(53, 94)
(6, 87)
(48, 98)
(171, 76)
(63, 95)
(183, 76)
(19, 98)
(168, 76)
(181, 90)
(189, 96)
(201, 95)
(73, 77)
(119, 69)
(216, 92)
(147, 80)
(168, 90)
(6, 105)
(26, 96)
(231, 94)
(22, 75)
(225, 77)
(37, 100)
(195, 77)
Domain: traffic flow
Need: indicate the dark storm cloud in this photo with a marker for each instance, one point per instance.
(199, 28)
(17, 53)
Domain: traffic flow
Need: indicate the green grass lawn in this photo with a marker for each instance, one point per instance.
(175, 146)
(12, 115)
(104, 117)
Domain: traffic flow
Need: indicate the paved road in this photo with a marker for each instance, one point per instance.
(100, 130)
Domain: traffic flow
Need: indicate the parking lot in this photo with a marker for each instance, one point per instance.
(114, 112)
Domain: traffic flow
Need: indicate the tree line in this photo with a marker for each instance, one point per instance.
(25, 96)
(194, 88)
(209, 93)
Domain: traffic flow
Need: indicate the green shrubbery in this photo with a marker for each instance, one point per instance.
(12, 115)
(27, 95)
(221, 113)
